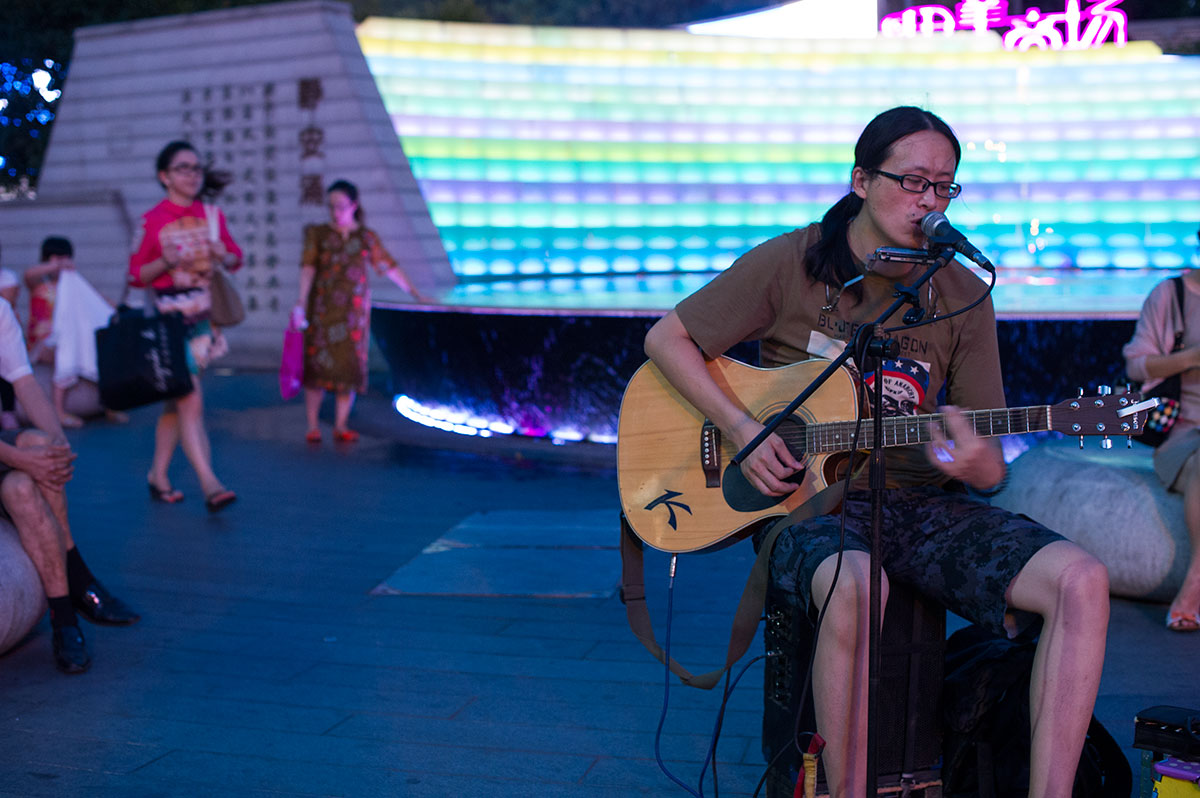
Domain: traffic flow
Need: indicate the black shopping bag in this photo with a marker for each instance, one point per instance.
(142, 359)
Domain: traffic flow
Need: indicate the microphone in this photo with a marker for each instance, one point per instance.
(938, 229)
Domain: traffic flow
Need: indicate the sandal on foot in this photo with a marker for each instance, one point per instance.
(168, 496)
(313, 436)
(1180, 621)
(219, 499)
(345, 435)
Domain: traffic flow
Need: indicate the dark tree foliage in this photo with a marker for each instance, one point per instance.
(37, 35)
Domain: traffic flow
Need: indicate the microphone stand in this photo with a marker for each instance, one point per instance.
(869, 344)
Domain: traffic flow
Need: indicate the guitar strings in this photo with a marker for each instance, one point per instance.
(834, 436)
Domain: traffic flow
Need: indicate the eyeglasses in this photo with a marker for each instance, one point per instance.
(919, 185)
(187, 168)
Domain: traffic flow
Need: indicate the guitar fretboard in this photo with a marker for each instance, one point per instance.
(838, 436)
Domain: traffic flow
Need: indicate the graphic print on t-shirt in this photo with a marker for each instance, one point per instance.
(188, 236)
(905, 382)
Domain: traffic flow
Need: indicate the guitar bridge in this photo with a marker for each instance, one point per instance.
(710, 454)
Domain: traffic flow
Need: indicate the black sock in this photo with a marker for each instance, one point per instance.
(62, 612)
(78, 575)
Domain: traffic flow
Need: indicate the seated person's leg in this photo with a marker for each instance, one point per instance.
(86, 592)
(68, 420)
(1069, 588)
(43, 542)
(1184, 613)
(803, 563)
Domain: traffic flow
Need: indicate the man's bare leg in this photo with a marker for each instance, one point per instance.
(38, 530)
(840, 671)
(1188, 599)
(1069, 588)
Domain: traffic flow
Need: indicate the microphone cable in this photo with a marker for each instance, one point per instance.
(952, 314)
(667, 685)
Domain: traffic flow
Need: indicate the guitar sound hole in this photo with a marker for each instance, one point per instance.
(740, 495)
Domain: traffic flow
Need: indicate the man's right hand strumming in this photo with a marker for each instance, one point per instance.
(769, 464)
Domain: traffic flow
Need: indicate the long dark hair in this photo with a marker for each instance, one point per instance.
(214, 181)
(351, 191)
(829, 260)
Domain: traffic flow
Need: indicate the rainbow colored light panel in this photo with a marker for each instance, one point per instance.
(573, 151)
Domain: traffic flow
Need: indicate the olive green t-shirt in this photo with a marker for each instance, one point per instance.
(767, 295)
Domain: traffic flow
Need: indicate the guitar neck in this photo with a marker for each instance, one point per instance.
(838, 436)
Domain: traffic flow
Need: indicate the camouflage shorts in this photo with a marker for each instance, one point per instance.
(956, 550)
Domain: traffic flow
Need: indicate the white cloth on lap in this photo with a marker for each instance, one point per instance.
(79, 311)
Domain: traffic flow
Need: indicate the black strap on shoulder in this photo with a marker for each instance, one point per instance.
(1178, 281)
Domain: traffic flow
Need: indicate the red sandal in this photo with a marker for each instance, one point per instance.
(168, 496)
(219, 499)
(345, 435)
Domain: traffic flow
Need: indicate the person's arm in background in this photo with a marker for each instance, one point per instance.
(49, 465)
(308, 273)
(1148, 354)
(10, 287)
(225, 250)
(149, 260)
(385, 264)
(35, 274)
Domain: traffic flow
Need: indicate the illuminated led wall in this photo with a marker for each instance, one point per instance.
(561, 151)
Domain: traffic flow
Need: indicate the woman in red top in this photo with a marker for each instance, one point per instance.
(176, 255)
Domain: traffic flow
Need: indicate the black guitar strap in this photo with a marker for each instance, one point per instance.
(750, 607)
(1178, 309)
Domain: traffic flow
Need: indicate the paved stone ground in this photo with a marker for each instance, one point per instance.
(264, 665)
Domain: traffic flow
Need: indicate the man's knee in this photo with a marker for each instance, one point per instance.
(32, 437)
(18, 490)
(1083, 582)
(849, 603)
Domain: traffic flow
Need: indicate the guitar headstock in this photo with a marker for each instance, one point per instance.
(1104, 414)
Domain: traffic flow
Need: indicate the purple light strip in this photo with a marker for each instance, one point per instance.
(487, 192)
(589, 131)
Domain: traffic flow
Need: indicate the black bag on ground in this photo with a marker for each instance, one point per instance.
(1161, 419)
(142, 359)
(987, 734)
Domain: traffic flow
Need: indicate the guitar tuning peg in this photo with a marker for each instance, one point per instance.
(1128, 441)
(1080, 441)
(1106, 442)
(1104, 390)
(1081, 392)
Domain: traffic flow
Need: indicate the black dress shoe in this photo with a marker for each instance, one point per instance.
(70, 652)
(99, 606)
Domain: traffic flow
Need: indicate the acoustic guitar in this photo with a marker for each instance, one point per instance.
(679, 492)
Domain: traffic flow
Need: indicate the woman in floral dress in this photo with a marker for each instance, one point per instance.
(335, 303)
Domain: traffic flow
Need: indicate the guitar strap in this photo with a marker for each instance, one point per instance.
(750, 607)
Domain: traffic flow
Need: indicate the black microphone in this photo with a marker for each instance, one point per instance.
(938, 229)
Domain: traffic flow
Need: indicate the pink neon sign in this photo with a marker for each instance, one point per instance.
(1073, 28)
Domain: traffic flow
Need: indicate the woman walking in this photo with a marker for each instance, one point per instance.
(175, 256)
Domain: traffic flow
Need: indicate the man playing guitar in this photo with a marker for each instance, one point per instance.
(801, 295)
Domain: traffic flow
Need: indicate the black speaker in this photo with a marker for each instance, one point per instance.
(910, 728)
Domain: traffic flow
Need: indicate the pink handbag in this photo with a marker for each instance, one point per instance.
(291, 365)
